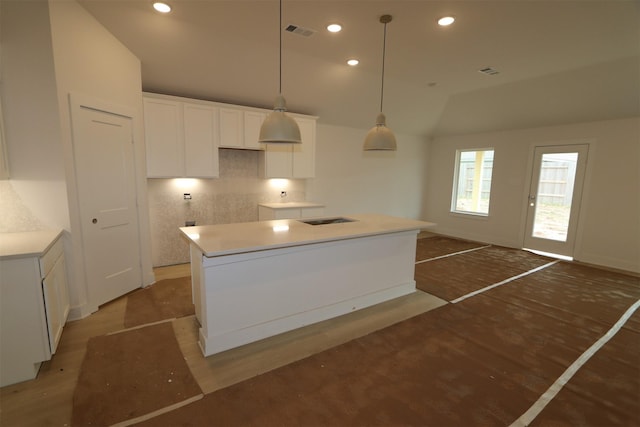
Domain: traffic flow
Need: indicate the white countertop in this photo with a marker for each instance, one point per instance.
(227, 239)
(291, 205)
(26, 244)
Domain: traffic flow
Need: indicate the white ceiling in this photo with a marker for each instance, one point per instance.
(560, 61)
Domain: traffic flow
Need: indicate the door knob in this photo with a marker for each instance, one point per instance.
(94, 220)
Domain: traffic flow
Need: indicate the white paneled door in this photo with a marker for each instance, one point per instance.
(555, 194)
(105, 175)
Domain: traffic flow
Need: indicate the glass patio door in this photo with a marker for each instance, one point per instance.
(554, 198)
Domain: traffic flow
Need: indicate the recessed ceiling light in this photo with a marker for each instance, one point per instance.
(446, 20)
(353, 62)
(162, 7)
(334, 28)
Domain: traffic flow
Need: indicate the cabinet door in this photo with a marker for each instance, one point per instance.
(292, 160)
(56, 302)
(163, 138)
(4, 161)
(200, 141)
(278, 161)
(265, 213)
(252, 123)
(304, 154)
(231, 128)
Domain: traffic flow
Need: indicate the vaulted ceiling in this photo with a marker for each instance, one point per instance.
(557, 61)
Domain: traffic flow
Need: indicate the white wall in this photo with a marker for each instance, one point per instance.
(50, 49)
(609, 223)
(349, 180)
(32, 125)
(91, 61)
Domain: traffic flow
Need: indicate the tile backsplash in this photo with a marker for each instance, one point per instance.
(233, 197)
(15, 217)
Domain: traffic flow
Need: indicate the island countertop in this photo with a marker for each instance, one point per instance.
(227, 239)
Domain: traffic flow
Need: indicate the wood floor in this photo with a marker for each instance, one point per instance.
(47, 400)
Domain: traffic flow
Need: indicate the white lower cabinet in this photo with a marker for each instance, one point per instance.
(34, 307)
(290, 210)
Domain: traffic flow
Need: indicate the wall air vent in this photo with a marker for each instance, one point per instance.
(305, 32)
(489, 71)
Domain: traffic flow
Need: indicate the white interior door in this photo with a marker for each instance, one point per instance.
(554, 198)
(105, 175)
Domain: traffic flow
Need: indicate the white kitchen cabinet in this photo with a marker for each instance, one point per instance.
(231, 128)
(34, 303)
(183, 134)
(304, 155)
(56, 301)
(200, 141)
(163, 138)
(240, 128)
(4, 161)
(181, 138)
(252, 124)
(292, 160)
(289, 210)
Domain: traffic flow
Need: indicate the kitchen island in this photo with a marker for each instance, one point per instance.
(254, 280)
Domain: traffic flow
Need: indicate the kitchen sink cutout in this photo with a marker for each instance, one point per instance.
(324, 221)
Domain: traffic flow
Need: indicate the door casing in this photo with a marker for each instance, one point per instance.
(566, 248)
(111, 250)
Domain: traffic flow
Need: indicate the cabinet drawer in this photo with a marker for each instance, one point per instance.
(289, 213)
(48, 260)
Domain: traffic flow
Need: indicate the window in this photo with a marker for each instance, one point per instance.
(472, 186)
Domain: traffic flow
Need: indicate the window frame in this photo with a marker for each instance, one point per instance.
(456, 178)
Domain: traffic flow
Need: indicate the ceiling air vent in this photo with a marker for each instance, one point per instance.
(305, 32)
(489, 71)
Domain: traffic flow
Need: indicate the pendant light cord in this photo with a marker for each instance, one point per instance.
(384, 48)
(280, 33)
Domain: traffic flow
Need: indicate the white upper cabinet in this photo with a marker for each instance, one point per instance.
(163, 138)
(252, 124)
(231, 128)
(181, 138)
(292, 160)
(304, 155)
(200, 141)
(240, 128)
(4, 161)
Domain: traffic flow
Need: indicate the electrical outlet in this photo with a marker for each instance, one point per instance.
(189, 223)
(283, 194)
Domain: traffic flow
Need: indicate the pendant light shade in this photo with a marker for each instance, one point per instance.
(278, 127)
(380, 137)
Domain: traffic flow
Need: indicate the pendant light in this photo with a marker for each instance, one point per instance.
(278, 127)
(380, 136)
